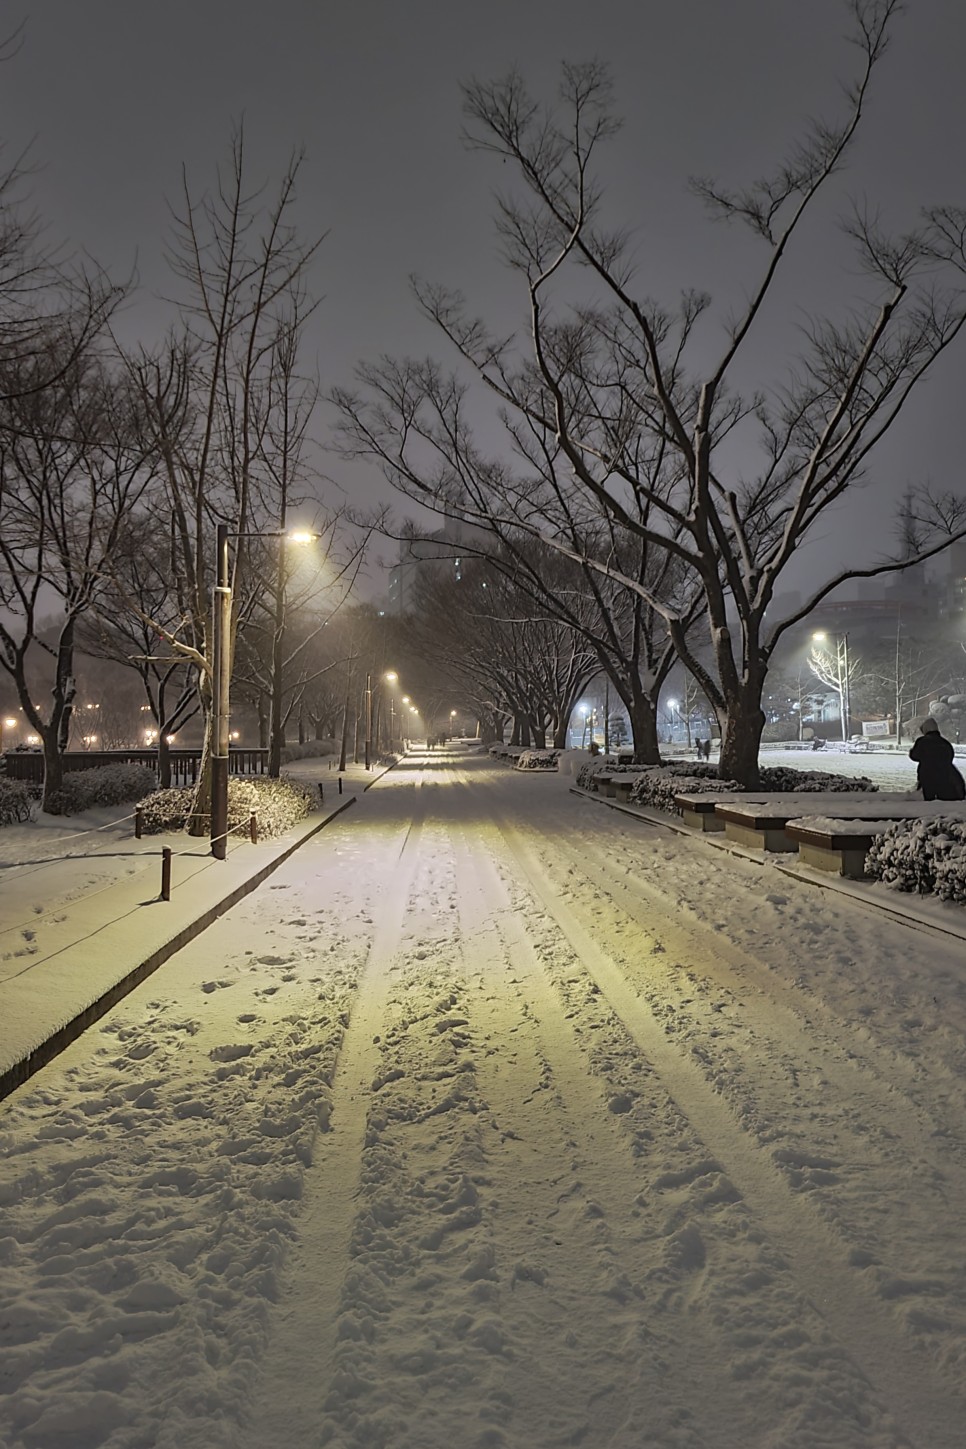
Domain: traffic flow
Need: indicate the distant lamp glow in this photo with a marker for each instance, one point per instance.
(302, 536)
(391, 676)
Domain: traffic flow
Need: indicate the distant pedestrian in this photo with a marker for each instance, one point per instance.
(936, 775)
(707, 749)
(699, 748)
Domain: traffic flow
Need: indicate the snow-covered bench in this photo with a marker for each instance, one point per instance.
(760, 821)
(835, 845)
(831, 843)
(698, 811)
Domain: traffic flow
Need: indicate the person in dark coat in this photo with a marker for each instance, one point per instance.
(936, 775)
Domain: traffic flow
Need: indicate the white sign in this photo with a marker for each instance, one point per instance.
(876, 727)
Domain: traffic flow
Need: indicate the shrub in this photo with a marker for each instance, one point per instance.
(110, 785)
(278, 804)
(16, 801)
(923, 856)
(310, 749)
(658, 786)
(538, 760)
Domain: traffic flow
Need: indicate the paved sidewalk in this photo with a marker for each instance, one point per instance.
(98, 947)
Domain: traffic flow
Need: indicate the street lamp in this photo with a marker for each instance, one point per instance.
(6, 724)
(842, 686)
(221, 677)
(672, 705)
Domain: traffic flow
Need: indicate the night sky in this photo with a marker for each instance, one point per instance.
(114, 97)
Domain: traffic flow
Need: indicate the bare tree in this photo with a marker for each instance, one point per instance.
(212, 395)
(614, 404)
(72, 471)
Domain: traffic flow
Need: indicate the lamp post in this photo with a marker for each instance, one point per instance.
(6, 724)
(221, 677)
(672, 705)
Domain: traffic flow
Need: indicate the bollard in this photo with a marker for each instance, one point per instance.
(253, 827)
(166, 872)
(137, 822)
(340, 784)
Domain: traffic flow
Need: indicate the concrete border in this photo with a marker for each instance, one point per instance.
(22, 1070)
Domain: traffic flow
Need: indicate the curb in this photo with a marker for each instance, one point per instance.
(21, 1071)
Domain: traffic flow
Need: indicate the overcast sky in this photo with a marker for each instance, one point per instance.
(115, 97)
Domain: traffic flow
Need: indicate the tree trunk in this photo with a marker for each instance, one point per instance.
(53, 773)
(741, 741)
(643, 719)
(164, 761)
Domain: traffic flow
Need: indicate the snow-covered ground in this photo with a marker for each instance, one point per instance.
(500, 1118)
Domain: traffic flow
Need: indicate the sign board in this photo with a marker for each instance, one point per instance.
(876, 727)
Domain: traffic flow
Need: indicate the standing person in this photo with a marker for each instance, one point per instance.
(936, 775)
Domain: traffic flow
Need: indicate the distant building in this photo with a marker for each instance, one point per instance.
(437, 551)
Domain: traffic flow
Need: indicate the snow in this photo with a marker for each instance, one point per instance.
(497, 1117)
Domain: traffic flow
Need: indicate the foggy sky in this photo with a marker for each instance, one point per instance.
(115, 96)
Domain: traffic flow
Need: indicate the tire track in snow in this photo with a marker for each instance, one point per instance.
(742, 965)
(863, 1140)
(567, 1176)
(302, 1349)
(903, 1377)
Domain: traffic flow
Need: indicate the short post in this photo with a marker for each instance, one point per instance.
(340, 784)
(166, 872)
(137, 822)
(253, 827)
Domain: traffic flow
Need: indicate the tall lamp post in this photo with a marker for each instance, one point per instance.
(221, 677)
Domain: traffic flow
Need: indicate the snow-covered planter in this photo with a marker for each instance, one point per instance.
(110, 785)
(278, 804)
(538, 760)
(926, 856)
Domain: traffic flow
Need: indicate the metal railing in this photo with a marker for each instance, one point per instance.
(29, 764)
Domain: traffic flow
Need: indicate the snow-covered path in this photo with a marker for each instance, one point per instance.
(501, 1119)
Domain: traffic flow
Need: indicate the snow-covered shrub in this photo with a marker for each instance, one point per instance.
(278, 804)
(109, 785)
(310, 749)
(923, 856)
(589, 770)
(656, 788)
(538, 760)
(16, 801)
(166, 810)
(784, 777)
